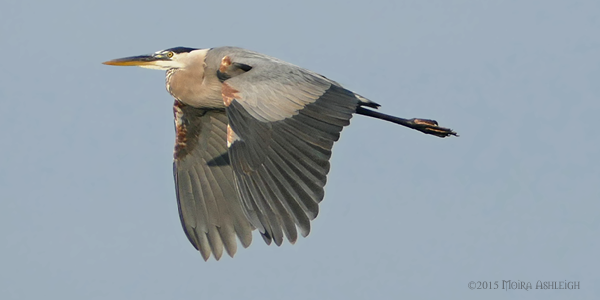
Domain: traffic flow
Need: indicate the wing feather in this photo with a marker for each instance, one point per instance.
(286, 120)
(209, 206)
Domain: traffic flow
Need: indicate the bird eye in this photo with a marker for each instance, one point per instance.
(170, 54)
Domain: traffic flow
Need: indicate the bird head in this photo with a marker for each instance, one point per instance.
(172, 58)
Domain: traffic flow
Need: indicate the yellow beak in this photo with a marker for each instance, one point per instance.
(140, 60)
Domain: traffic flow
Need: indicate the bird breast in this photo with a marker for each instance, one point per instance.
(194, 88)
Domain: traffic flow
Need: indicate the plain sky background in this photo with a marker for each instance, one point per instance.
(87, 203)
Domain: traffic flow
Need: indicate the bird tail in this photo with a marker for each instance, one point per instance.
(366, 102)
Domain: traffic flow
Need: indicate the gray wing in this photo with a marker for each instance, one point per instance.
(209, 208)
(283, 121)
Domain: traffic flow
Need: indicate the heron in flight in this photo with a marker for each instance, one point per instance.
(253, 141)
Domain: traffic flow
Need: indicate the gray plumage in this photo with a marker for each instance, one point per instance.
(253, 142)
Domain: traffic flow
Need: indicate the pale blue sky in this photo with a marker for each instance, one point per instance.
(87, 203)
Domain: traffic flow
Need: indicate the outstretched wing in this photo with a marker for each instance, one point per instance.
(209, 208)
(283, 121)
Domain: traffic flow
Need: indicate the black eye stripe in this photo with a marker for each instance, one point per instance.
(178, 50)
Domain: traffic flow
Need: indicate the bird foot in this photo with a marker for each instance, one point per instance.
(431, 127)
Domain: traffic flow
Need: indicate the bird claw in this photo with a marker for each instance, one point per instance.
(431, 127)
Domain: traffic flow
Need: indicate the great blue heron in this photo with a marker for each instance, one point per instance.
(253, 141)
